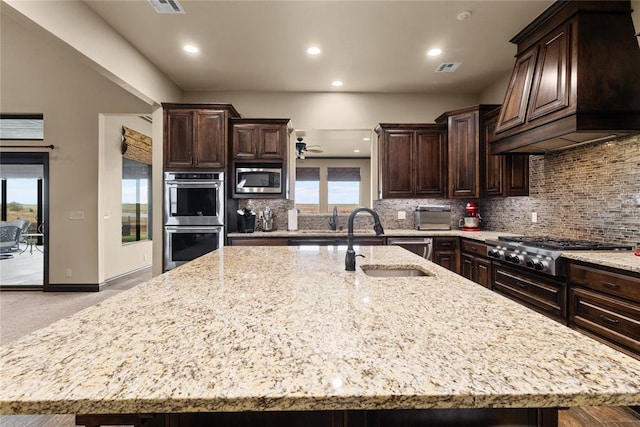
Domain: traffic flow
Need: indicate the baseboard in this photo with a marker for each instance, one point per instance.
(126, 276)
(72, 287)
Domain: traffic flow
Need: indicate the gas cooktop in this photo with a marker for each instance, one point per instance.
(542, 253)
(556, 243)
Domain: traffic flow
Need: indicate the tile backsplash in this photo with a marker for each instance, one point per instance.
(588, 192)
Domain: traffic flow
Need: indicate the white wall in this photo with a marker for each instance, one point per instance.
(117, 259)
(39, 74)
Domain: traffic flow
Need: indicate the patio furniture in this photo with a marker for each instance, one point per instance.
(9, 238)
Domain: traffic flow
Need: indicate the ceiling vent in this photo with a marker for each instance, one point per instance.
(166, 6)
(448, 67)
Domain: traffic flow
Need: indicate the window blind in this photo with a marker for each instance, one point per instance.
(307, 174)
(343, 174)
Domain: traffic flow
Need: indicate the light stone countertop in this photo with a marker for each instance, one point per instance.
(287, 328)
(625, 260)
(475, 235)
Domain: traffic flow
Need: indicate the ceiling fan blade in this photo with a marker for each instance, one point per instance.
(314, 150)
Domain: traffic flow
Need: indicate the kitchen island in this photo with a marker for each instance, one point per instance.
(272, 330)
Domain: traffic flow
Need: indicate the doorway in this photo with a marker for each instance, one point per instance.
(24, 217)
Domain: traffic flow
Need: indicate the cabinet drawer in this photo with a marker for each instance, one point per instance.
(546, 296)
(623, 285)
(615, 320)
(475, 248)
(445, 243)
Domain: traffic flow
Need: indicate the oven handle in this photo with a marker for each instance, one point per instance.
(192, 229)
(192, 184)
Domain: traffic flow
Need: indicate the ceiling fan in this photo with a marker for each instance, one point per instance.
(302, 148)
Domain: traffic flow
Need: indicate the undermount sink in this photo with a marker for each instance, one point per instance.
(394, 272)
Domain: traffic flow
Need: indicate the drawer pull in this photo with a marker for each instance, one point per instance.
(609, 319)
(521, 284)
(611, 285)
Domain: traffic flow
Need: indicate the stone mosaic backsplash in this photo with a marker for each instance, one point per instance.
(588, 192)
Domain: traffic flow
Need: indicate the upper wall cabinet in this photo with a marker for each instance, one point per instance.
(466, 151)
(575, 79)
(195, 135)
(259, 139)
(412, 160)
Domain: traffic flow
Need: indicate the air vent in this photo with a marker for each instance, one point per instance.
(448, 67)
(166, 6)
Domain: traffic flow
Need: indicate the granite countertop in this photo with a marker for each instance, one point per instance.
(475, 235)
(625, 260)
(287, 328)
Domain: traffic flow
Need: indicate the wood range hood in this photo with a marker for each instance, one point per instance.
(576, 79)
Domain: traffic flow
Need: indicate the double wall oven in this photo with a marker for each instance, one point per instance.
(193, 215)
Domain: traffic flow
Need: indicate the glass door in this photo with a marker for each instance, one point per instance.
(23, 189)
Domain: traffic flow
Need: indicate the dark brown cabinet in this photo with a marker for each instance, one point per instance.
(505, 175)
(544, 294)
(474, 264)
(195, 135)
(412, 160)
(445, 252)
(604, 303)
(466, 152)
(260, 139)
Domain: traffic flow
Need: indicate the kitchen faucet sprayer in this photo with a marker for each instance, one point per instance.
(350, 258)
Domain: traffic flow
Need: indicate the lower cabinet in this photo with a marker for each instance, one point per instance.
(305, 241)
(605, 304)
(445, 252)
(258, 241)
(474, 264)
(543, 294)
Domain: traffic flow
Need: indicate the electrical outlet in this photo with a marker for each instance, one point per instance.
(534, 216)
(402, 215)
(76, 215)
(68, 272)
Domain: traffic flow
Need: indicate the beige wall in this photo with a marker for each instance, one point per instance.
(117, 259)
(41, 75)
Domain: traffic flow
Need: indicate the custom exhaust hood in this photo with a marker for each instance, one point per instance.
(576, 79)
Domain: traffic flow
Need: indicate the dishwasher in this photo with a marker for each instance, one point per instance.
(422, 246)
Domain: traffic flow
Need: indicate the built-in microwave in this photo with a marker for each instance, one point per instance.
(258, 180)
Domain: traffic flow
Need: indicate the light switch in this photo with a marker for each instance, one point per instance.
(402, 215)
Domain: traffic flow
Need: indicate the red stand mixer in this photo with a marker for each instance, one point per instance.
(471, 222)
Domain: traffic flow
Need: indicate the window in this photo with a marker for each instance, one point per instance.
(136, 186)
(22, 126)
(343, 188)
(136, 194)
(308, 190)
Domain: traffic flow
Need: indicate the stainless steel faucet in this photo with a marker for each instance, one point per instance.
(350, 258)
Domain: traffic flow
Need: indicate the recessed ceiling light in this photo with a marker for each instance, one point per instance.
(356, 151)
(464, 15)
(434, 52)
(337, 83)
(314, 50)
(190, 48)
(366, 138)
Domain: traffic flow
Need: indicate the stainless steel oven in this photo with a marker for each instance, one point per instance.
(183, 244)
(194, 198)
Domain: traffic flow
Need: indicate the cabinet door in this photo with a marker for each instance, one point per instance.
(271, 142)
(463, 156)
(446, 260)
(178, 144)
(397, 163)
(550, 91)
(514, 108)
(466, 262)
(517, 176)
(430, 163)
(245, 142)
(210, 138)
(494, 165)
(482, 272)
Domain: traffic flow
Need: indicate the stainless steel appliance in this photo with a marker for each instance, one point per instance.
(422, 246)
(541, 253)
(194, 198)
(258, 179)
(432, 218)
(185, 243)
